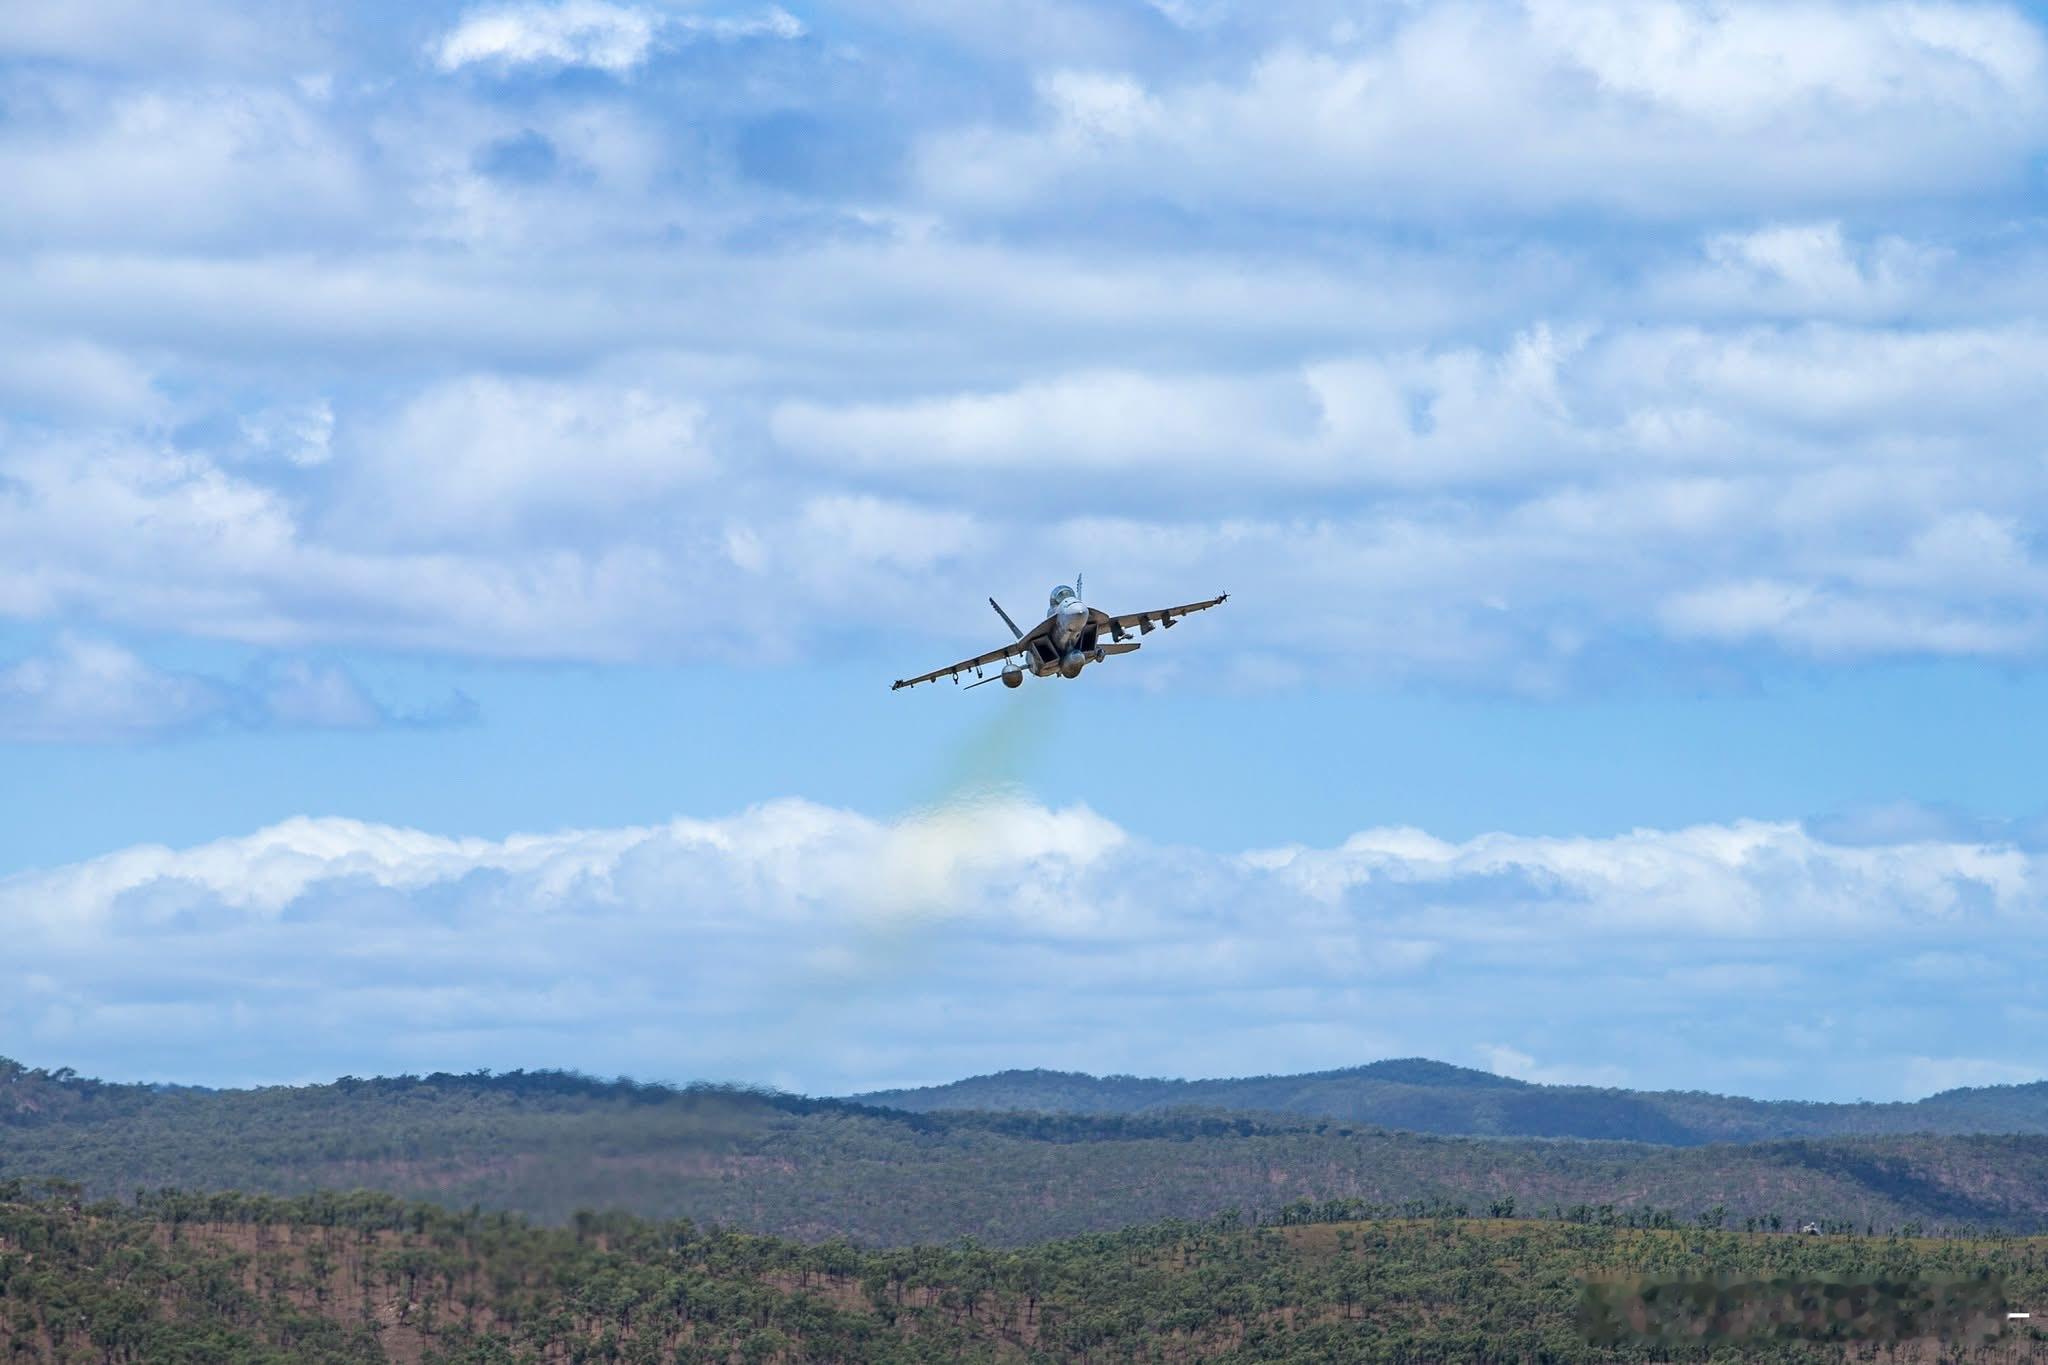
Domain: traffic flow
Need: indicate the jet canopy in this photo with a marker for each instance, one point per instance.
(1062, 593)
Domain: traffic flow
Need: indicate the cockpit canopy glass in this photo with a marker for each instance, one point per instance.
(1062, 593)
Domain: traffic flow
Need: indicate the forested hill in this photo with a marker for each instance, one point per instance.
(1433, 1097)
(357, 1279)
(548, 1144)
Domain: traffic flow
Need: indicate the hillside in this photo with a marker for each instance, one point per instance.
(363, 1279)
(1433, 1097)
(548, 1144)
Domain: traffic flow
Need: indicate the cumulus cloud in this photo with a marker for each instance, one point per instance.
(91, 691)
(592, 33)
(174, 164)
(1652, 109)
(146, 35)
(1740, 64)
(1086, 421)
(572, 33)
(837, 950)
(296, 693)
(63, 379)
(1459, 514)
(1551, 403)
(1403, 417)
(142, 535)
(300, 434)
(347, 353)
(1751, 879)
(1806, 269)
(1816, 621)
(497, 346)
(484, 456)
(1035, 31)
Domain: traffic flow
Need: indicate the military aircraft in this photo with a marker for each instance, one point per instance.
(1065, 642)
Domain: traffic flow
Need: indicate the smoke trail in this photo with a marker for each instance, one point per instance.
(995, 754)
(938, 840)
(926, 869)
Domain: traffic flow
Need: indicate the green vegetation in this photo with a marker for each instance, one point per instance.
(359, 1278)
(1431, 1097)
(548, 1144)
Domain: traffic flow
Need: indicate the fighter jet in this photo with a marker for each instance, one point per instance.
(1072, 636)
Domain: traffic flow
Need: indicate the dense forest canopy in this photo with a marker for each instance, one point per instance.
(364, 1278)
(447, 1219)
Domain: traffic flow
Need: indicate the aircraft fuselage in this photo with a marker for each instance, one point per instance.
(1070, 644)
(1066, 640)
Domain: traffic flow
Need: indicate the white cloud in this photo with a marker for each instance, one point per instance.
(832, 303)
(149, 35)
(50, 376)
(1931, 1075)
(845, 534)
(483, 457)
(1551, 402)
(93, 691)
(541, 416)
(300, 434)
(1743, 64)
(1807, 257)
(1818, 621)
(1028, 30)
(1806, 269)
(1294, 300)
(1508, 1061)
(990, 931)
(193, 165)
(144, 536)
(1653, 109)
(772, 22)
(1751, 879)
(1086, 421)
(298, 693)
(571, 33)
(1836, 491)
(593, 33)
(1456, 513)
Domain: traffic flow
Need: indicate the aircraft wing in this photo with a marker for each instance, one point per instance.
(1014, 647)
(1143, 621)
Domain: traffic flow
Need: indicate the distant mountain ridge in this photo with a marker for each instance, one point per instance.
(1418, 1095)
(551, 1143)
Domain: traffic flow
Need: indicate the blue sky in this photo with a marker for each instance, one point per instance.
(468, 473)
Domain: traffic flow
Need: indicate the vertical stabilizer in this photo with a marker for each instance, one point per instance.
(1006, 619)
